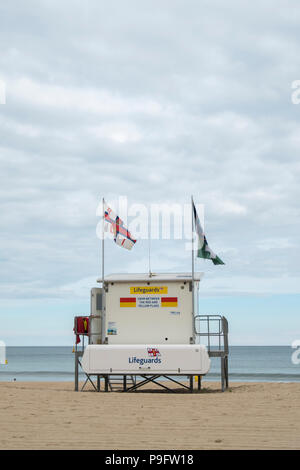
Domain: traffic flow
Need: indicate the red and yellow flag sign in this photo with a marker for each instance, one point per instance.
(127, 302)
(169, 302)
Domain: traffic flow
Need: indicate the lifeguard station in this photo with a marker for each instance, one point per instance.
(147, 327)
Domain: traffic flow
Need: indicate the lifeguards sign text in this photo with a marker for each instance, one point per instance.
(149, 290)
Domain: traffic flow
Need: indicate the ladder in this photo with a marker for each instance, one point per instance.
(118, 382)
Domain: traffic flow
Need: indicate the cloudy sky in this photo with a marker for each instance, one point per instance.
(154, 101)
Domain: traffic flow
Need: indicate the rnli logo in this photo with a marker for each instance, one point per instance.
(153, 352)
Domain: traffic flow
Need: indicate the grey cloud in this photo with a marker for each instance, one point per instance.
(155, 102)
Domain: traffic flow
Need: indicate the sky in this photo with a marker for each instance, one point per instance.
(154, 101)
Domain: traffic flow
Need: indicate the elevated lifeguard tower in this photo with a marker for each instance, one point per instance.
(148, 326)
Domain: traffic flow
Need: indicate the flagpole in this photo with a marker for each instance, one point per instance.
(193, 267)
(103, 242)
(149, 246)
(103, 290)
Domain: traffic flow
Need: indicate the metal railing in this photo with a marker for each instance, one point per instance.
(212, 331)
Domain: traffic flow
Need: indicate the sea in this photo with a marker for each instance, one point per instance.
(246, 363)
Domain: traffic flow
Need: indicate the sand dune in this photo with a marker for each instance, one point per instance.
(52, 416)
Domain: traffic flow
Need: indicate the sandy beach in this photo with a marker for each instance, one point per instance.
(52, 416)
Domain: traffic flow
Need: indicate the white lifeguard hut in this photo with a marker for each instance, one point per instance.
(147, 325)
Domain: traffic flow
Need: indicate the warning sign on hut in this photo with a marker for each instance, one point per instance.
(149, 302)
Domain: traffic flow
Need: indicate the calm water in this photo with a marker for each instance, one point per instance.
(246, 363)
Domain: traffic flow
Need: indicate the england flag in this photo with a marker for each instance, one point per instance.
(122, 236)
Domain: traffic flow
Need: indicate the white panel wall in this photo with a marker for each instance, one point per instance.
(160, 325)
(135, 359)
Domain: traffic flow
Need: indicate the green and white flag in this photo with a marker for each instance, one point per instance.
(203, 249)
